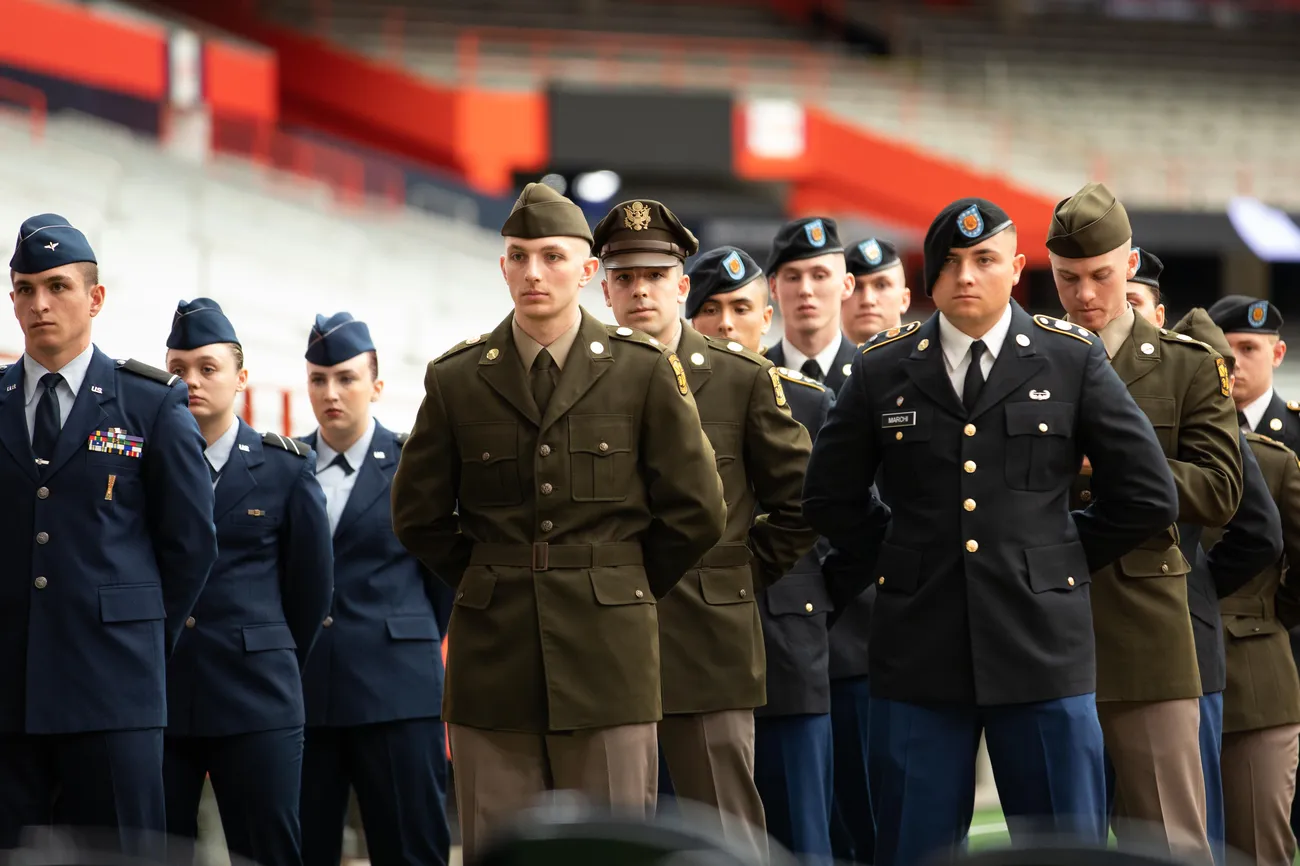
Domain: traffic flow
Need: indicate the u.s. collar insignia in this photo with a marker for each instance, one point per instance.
(1224, 385)
(679, 373)
(970, 223)
(637, 216)
(1257, 314)
(734, 266)
(776, 386)
(95, 389)
(816, 232)
(870, 250)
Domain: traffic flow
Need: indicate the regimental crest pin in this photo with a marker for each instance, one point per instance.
(1257, 314)
(679, 373)
(816, 232)
(776, 386)
(734, 266)
(637, 216)
(871, 251)
(1225, 385)
(970, 223)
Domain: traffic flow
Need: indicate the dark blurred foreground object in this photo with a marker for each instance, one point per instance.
(1061, 852)
(82, 846)
(567, 832)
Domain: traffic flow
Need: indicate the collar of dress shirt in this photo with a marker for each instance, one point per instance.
(956, 344)
(73, 372)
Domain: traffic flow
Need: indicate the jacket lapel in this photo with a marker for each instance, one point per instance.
(843, 360)
(88, 411)
(582, 369)
(1015, 364)
(1130, 362)
(237, 479)
(503, 370)
(926, 368)
(13, 420)
(372, 478)
(1276, 410)
(775, 353)
(693, 347)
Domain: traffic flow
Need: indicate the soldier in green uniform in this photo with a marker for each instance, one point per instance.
(711, 640)
(1148, 683)
(558, 478)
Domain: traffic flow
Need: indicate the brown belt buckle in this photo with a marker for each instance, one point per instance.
(541, 556)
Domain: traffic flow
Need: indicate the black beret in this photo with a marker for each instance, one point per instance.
(962, 224)
(718, 272)
(804, 239)
(867, 257)
(48, 241)
(642, 233)
(340, 338)
(1149, 269)
(200, 322)
(1242, 314)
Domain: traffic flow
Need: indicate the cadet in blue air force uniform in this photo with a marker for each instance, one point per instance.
(234, 685)
(973, 426)
(107, 541)
(374, 681)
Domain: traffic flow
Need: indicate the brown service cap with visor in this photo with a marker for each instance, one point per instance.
(642, 234)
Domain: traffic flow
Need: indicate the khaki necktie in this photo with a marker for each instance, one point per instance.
(542, 379)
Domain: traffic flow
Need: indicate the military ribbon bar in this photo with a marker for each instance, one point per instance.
(115, 440)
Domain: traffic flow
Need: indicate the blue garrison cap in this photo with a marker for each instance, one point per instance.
(337, 339)
(200, 322)
(48, 241)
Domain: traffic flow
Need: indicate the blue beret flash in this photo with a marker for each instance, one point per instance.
(200, 322)
(48, 241)
(337, 339)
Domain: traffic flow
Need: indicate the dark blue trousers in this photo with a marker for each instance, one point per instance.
(853, 827)
(108, 783)
(792, 770)
(1211, 735)
(1048, 762)
(399, 771)
(256, 779)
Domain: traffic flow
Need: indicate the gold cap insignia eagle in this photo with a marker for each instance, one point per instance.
(637, 216)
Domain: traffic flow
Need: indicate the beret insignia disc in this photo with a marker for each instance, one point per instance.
(871, 252)
(970, 223)
(734, 266)
(1258, 314)
(816, 233)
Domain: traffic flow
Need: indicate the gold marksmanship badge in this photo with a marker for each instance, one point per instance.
(637, 216)
(680, 373)
(1224, 385)
(776, 386)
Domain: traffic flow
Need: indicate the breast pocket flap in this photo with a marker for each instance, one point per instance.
(475, 589)
(1244, 627)
(802, 595)
(1057, 566)
(616, 586)
(138, 602)
(600, 435)
(732, 585)
(489, 442)
(1035, 418)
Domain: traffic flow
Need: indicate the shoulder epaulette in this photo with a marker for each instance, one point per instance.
(631, 335)
(886, 337)
(1252, 436)
(291, 445)
(1060, 326)
(3, 367)
(131, 365)
(1293, 405)
(460, 347)
(731, 347)
(401, 439)
(799, 378)
(1175, 337)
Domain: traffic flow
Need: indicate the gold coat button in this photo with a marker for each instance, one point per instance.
(969, 466)
(547, 526)
(545, 450)
(42, 493)
(41, 582)
(640, 594)
(1042, 428)
(1070, 581)
(881, 580)
(1164, 568)
(42, 537)
(898, 435)
(972, 546)
(808, 607)
(969, 430)
(191, 622)
(547, 489)
(742, 593)
(969, 505)
(1085, 495)
(329, 621)
(486, 456)
(604, 446)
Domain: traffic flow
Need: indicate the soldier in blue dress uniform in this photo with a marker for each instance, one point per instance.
(234, 685)
(373, 684)
(728, 300)
(973, 426)
(107, 540)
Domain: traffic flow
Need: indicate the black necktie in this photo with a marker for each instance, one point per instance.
(542, 379)
(341, 462)
(970, 391)
(212, 470)
(812, 370)
(1241, 420)
(45, 433)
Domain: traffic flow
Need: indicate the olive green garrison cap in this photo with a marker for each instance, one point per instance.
(1089, 223)
(541, 212)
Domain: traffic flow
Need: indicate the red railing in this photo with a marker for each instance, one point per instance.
(31, 98)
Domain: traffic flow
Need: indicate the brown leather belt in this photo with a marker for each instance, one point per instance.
(541, 556)
(1263, 608)
(728, 555)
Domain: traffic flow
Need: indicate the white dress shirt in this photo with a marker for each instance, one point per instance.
(794, 359)
(956, 348)
(336, 483)
(1254, 410)
(73, 373)
(218, 453)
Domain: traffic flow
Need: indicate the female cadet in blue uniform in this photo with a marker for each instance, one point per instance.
(234, 686)
(374, 684)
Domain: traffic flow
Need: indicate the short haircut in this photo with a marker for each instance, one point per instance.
(238, 351)
(89, 272)
(374, 365)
